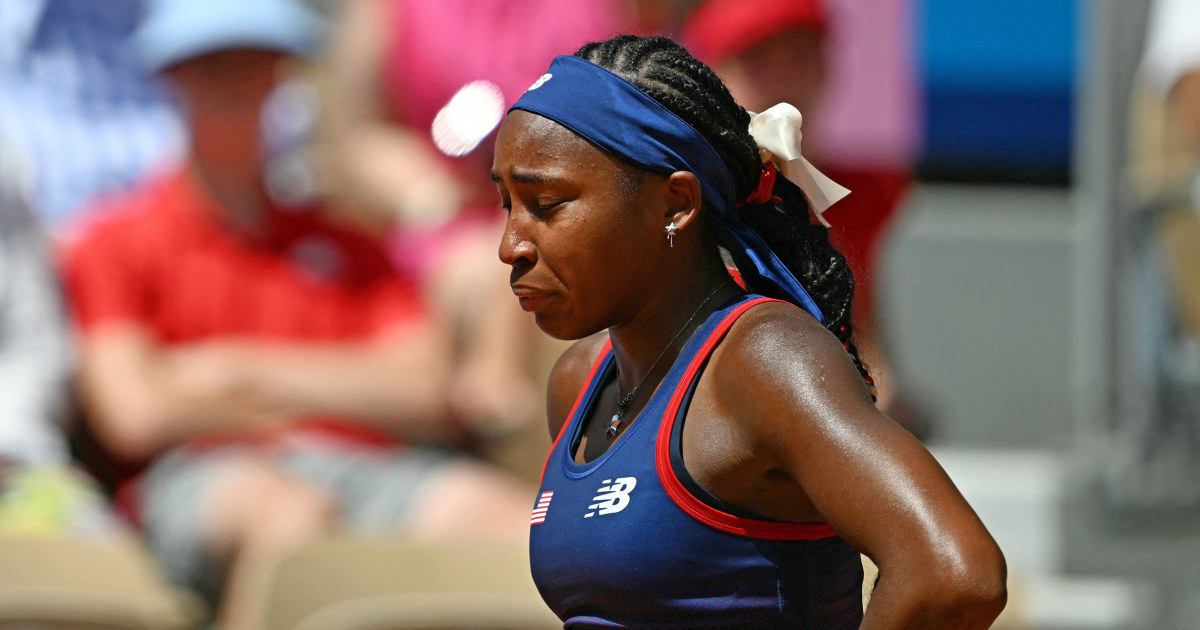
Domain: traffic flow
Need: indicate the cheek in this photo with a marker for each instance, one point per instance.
(605, 262)
(584, 255)
(227, 135)
(575, 253)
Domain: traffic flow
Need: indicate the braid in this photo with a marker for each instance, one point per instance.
(669, 74)
(805, 249)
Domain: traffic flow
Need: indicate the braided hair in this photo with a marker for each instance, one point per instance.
(669, 74)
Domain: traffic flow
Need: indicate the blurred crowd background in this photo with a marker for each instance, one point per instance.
(250, 298)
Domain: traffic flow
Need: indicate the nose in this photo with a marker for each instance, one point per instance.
(516, 249)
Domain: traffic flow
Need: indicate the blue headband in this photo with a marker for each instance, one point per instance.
(616, 116)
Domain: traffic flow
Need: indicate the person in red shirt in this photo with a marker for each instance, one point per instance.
(267, 369)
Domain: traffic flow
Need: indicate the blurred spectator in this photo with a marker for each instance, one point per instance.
(1165, 138)
(266, 364)
(415, 88)
(776, 51)
(76, 104)
(41, 493)
(1156, 460)
(1166, 143)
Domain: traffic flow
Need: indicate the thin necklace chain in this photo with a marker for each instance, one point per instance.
(627, 399)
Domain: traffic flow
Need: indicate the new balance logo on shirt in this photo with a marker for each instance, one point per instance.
(612, 498)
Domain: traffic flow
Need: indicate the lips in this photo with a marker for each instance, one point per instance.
(529, 297)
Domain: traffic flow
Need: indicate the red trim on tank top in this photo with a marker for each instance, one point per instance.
(574, 408)
(684, 499)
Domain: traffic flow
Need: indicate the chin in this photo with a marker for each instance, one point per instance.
(563, 330)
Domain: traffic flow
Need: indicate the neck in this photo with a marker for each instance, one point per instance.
(666, 325)
(241, 199)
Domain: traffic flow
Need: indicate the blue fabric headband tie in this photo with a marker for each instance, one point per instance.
(616, 116)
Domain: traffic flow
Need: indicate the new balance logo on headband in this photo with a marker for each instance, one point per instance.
(612, 498)
(541, 80)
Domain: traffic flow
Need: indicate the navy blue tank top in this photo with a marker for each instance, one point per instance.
(630, 541)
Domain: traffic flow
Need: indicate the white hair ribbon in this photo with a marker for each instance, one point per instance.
(777, 132)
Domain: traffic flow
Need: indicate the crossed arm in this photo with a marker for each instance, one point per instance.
(144, 396)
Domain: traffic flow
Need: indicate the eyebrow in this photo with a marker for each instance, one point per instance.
(529, 178)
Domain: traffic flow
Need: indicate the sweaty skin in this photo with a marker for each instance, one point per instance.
(781, 423)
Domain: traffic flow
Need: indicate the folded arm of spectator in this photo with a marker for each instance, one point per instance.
(146, 397)
(396, 381)
(141, 401)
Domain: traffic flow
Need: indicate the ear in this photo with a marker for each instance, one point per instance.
(684, 199)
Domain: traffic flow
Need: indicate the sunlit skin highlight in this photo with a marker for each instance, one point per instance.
(781, 423)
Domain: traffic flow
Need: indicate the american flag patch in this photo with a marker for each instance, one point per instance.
(543, 506)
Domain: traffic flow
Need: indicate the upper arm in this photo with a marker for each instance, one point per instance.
(809, 414)
(106, 276)
(568, 377)
(351, 68)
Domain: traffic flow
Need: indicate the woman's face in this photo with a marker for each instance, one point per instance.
(584, 229)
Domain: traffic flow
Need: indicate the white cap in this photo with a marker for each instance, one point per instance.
(178, 30)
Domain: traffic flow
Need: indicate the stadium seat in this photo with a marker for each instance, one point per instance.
(392, 584)
(52, 584)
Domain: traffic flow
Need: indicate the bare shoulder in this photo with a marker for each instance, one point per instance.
(568, 377)
(779, 362)
(777, 336)
(788, 390)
